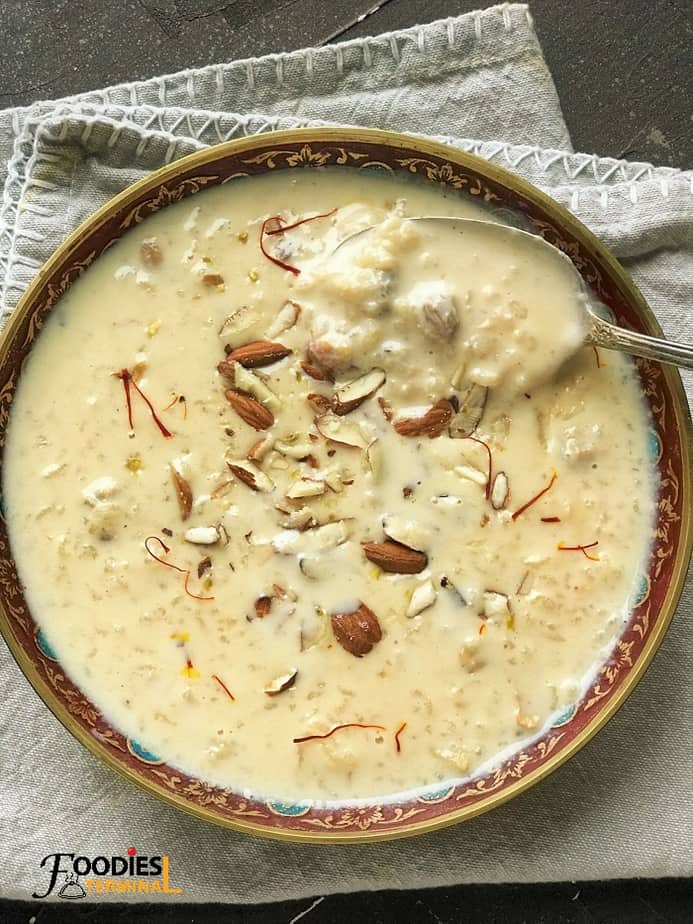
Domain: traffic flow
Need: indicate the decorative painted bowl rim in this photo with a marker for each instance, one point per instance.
(672, 448)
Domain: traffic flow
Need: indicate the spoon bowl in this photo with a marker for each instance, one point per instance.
(598, 331)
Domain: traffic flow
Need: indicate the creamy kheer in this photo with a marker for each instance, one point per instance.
(319, 524)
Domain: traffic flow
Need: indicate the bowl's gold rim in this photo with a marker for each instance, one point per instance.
(682, 414)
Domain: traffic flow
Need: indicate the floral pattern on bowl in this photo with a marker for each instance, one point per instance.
(656, 597)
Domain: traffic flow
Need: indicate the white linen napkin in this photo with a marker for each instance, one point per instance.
(621, 807)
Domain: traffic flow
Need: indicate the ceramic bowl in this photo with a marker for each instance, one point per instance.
(659, 586)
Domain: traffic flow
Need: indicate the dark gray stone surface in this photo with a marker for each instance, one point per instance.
(623, 69)
(654, 901)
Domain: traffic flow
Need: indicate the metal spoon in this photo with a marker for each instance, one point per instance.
(598, 332)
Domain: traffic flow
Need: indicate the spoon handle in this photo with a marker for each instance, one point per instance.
(610, 337)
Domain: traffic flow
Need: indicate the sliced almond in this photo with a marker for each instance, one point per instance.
(395, 557)
(241, 323)
(251, 475)
(320, 403)
(333, 480)
(251, 382)
(332, 352)
(249, 409)
(222, 488)
(297, 519)
(358, 631)
(283, 593)
(227, 369)
(315, 372)
(354, 393)
(374, 458)
(286, 318)
(311, 541)
(259, 449)
(386, 408)
(496, 605)
(472, 402)
(280, 684)
(263, 606)
(306, 487)
(183, 492)
(203, 566)
(500, 492)
(342, 431)
(202, 535)
(258, 353)
(423, 597)
(406, 532)
(431, 423)
(281, 603)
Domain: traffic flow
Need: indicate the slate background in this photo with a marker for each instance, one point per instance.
(624, 74)
(622, 67)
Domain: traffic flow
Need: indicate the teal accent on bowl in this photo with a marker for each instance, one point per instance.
(564, 717)
(292, 809)
(642, 589)
(44, 647)
(379, 168)
(142, 753)
(436, 795)
(654, 446)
